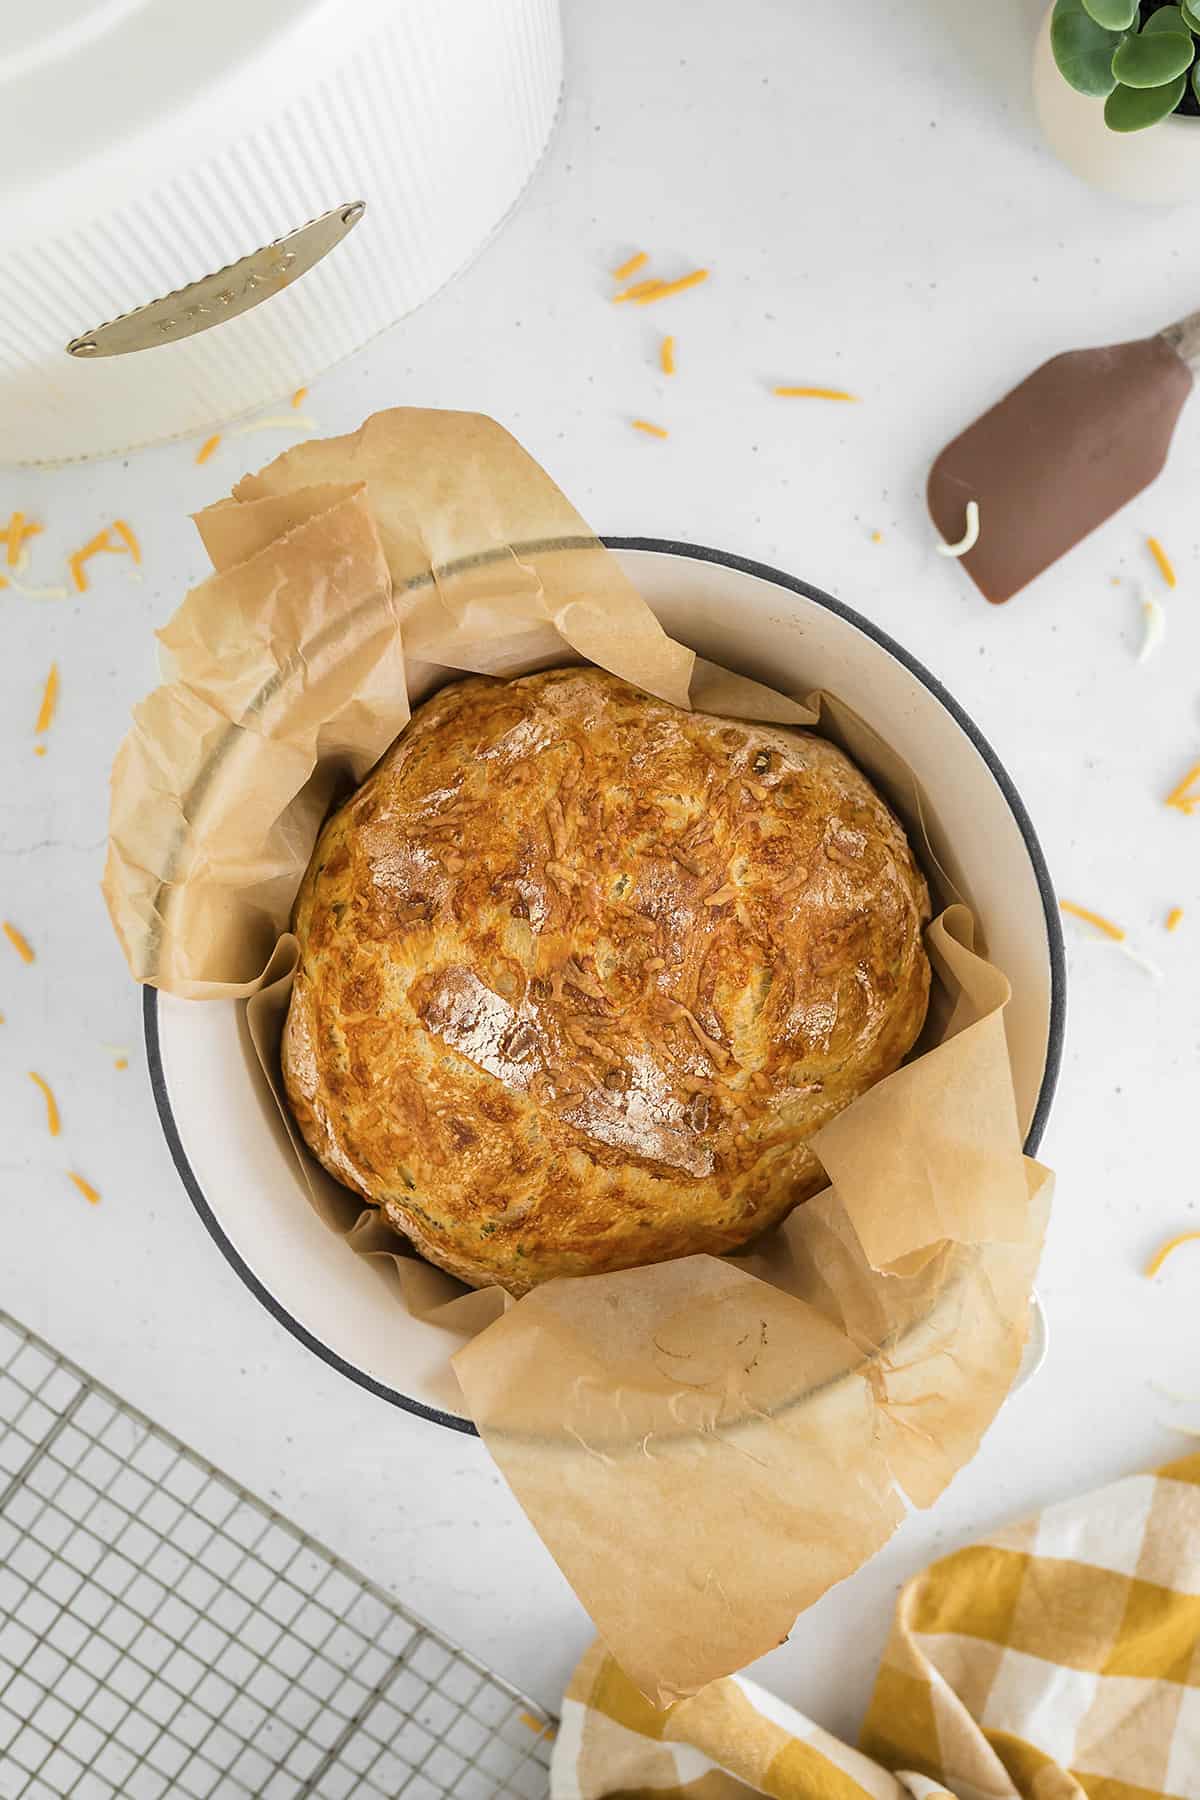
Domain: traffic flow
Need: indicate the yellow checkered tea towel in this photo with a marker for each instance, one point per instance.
(1059, 1660)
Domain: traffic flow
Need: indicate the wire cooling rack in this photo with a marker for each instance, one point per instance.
(163, 1632)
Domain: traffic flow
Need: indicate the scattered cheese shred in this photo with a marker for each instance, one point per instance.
(1143, 962)
(814, 393)
(40, 593)
(100, 545)
(207, 447)
(644, 292)
(1154, 629)
(53, 1121)
(639, 290)
(90, 1194)
(666, 356)
(19, 941)
(300, 396)
(541, 1726)
(296, 421)
(1181, 797)
(1174, 918)
(1093, 918)
(667, 288)
(122, 1062)
(877, 537)
(3, 582)
(49, 702)
(1165, 568)
(651, 430)
(39, 749)
(1164, 1250)
(631, 266)
(129, 538)
(15, 534)
(970, 536)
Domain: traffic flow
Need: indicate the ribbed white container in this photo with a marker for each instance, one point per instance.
(142, 149)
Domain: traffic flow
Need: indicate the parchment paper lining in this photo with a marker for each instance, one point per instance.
(706, 1445)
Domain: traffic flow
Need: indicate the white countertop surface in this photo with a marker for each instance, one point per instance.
(879, 213)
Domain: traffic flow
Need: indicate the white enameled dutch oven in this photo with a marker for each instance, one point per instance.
(745, 617)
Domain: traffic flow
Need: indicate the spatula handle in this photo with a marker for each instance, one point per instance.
(1184, 339)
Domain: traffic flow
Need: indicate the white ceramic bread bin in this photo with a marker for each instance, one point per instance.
(159, 164)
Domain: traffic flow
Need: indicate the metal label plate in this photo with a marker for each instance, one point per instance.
(223, 295)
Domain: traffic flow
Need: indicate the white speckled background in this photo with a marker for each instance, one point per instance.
(880, 214)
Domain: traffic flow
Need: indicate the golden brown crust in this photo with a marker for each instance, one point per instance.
(580, 973)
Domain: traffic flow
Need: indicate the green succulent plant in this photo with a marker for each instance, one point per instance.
(1140, 59)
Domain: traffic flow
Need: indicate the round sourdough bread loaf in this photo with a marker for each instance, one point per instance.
(580, 974)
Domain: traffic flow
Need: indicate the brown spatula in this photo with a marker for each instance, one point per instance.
(1056, 457)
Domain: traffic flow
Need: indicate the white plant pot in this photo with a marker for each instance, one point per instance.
(1156, 167)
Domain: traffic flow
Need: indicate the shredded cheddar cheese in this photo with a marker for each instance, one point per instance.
(1165, 568)
(299, 397)
(631, 267)
(1093, 918)
(39, 749)
(638, 289)
(16, 532)
(651, 430)
(1164, 1250)
(814, 393)
(877, 537)
(19, 942)
(128, 537)
(122, 1062)
(53, 1122)
(1174, 917)
(666, 356)
(49, 701)
(642, 293)
(207, 447)
(667, 288)
(100, 545)
(89, 1193)
(540, 1726)
(1181, 796)
(3, 581)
